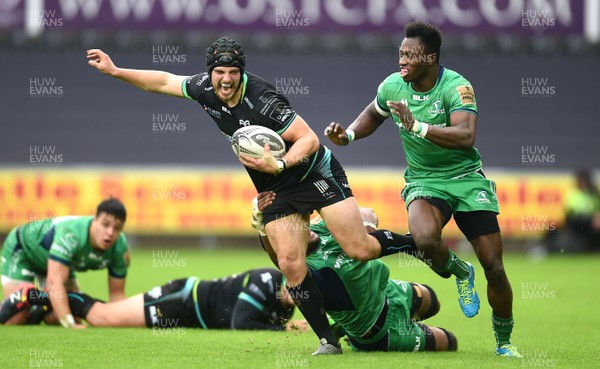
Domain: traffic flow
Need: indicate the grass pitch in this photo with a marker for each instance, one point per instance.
(556, 322)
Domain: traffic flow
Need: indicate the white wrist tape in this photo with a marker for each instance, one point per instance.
(420, 128)
(350, 133)
(67, 321)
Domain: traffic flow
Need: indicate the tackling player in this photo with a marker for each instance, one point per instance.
(249, 300)
(376, 312)
(51, 250)
(307, 178)
(435, 111)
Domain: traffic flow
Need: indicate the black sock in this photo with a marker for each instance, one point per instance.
(79, 303)
(309, 300)
(393, 243)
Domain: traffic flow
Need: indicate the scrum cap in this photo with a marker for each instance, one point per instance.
(225, 52)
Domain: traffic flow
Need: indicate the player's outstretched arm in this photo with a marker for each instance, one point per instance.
(148, 80)
(364, 125)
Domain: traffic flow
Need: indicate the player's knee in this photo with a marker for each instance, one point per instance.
(294, 269)
(495, 273)
(426, 241)
(452, 340)
(98, 317)
(359, 253)
(439, 339)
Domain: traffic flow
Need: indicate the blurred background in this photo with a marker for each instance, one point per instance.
(71, 136)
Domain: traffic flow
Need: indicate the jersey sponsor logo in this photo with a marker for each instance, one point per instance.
(340, 260)
(466, 94)
(93, 256)
(153, 315)
(201, 80)
(127, 259)
(321, 185)
(417, 343)
(254, 288)
(437, 108)
(61, 250)
(281, 112)
(268, 279)
(482, 198)
(212, 112)
(323, 188)
(247, 101)
(82, 265)
(156, 292)
(420, 97)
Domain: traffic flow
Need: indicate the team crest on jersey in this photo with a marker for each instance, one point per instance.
(437, 108)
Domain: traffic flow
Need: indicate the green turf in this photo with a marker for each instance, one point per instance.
(554, 302)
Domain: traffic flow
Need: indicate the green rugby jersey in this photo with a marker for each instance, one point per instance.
(65, 239)
(452, 92)
(363, 282)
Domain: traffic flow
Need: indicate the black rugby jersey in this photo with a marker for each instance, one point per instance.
(243, 301)
(260, 105)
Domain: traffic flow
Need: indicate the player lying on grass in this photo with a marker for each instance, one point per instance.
(376, 312)
(249, 300)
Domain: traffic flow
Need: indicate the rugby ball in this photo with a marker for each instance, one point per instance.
(251, 140)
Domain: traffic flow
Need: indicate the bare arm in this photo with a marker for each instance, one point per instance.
(364, 125)
(459, 136)
(148, 80)
(57, 276)
(116, 289)
(306, 142)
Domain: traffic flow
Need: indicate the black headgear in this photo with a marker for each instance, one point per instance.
(225, 52)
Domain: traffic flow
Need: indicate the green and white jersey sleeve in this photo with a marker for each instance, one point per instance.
(451, 93)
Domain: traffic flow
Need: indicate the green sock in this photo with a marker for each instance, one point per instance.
(456, 266)
(502, 329)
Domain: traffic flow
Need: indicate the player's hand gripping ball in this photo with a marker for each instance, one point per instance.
(251, 140)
